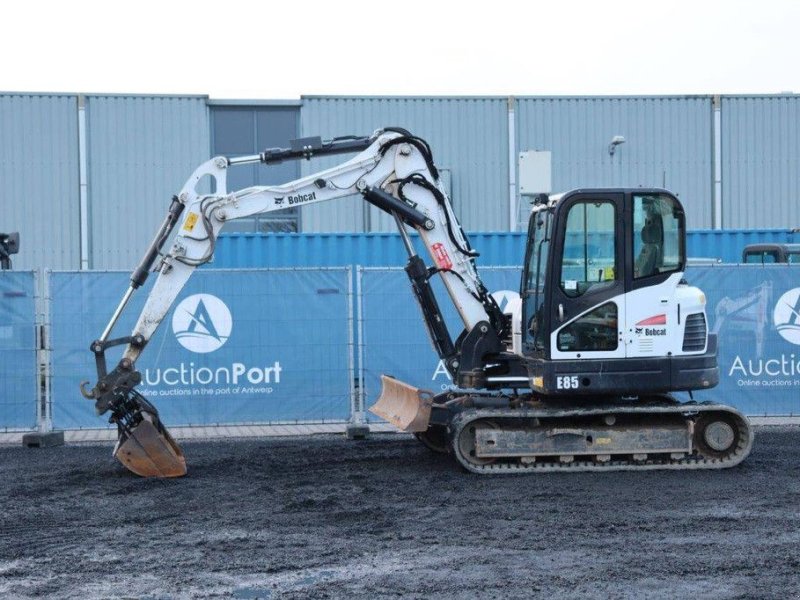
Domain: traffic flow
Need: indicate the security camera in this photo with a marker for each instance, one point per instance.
(615, 141)
(10, 242)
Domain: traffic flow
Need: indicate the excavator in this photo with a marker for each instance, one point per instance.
(578, 375)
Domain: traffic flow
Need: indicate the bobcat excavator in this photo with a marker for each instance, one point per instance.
(577, 377)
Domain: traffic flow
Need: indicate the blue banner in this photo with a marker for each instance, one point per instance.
(755, 310)
(260, 346)
(18, 375)
(239, 346)
(395, 341)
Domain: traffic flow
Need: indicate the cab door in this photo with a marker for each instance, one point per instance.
(656, 261)
(533, 288)
(587, 309)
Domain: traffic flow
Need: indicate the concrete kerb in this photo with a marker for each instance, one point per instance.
(220, 432)
(210, 432)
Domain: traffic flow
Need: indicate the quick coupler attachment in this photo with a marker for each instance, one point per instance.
(144, 445)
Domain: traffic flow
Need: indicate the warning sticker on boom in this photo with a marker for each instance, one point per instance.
(191, 220)
(440, 255)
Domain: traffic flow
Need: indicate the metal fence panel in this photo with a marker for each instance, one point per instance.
(393, 335)
(237, 347)
(18, 374)
(756, 312)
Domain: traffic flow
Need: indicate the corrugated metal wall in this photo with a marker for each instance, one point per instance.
(238, 130)
(141, 150)
(469, 136)
(241, 250)
(668, 143)
(39, 178)
(760, 161)
(728, 245)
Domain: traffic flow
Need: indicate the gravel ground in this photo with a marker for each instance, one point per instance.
(322, 517)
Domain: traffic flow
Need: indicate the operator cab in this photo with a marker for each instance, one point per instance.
(599, 284)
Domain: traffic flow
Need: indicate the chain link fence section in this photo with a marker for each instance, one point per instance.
(391, 330)
(755, 312)
(238, 347)
(19, 379)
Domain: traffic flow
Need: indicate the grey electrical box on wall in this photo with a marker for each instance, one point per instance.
(535, 172)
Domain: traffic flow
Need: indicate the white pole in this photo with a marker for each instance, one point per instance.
(83, 179)
(512, 166)
(360, 337)
(717, 106)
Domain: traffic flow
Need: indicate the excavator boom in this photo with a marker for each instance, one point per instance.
(393, 171)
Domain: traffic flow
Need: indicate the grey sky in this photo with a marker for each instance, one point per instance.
(238, 49)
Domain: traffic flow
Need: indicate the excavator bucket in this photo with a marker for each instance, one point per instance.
(148, 449)
(404, 406)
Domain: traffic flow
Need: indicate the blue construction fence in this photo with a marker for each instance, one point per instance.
(392, 337)
(240, 346)
(754, 309)
(19, 380)
(309, 345)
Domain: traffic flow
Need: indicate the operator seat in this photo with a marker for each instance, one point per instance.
(650, 255)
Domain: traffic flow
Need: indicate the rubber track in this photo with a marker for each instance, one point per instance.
(656, 461)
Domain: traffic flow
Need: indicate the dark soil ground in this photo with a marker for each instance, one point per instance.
(323, 517)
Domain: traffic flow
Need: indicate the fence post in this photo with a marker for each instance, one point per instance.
(358, 427)
(46, 349)
(44, 435)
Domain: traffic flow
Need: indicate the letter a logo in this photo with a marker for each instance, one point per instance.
(202, 323)
(787, 316)
(201, 319)
(507, 300)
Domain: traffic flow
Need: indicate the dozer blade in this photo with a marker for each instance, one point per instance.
(148, 450)
(404, 406)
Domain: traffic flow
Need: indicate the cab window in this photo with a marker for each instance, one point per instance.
(657, 232)
(535, 276)
(594, 331)
(589, 257)
(761, 258)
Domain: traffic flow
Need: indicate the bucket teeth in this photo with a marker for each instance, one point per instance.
(404, 406)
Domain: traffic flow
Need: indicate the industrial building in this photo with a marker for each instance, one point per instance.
(87, 178)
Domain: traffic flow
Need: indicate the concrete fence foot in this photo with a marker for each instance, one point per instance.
(357, 431)
(43, 439)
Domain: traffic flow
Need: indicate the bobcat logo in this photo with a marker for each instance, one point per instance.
(278, 201)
